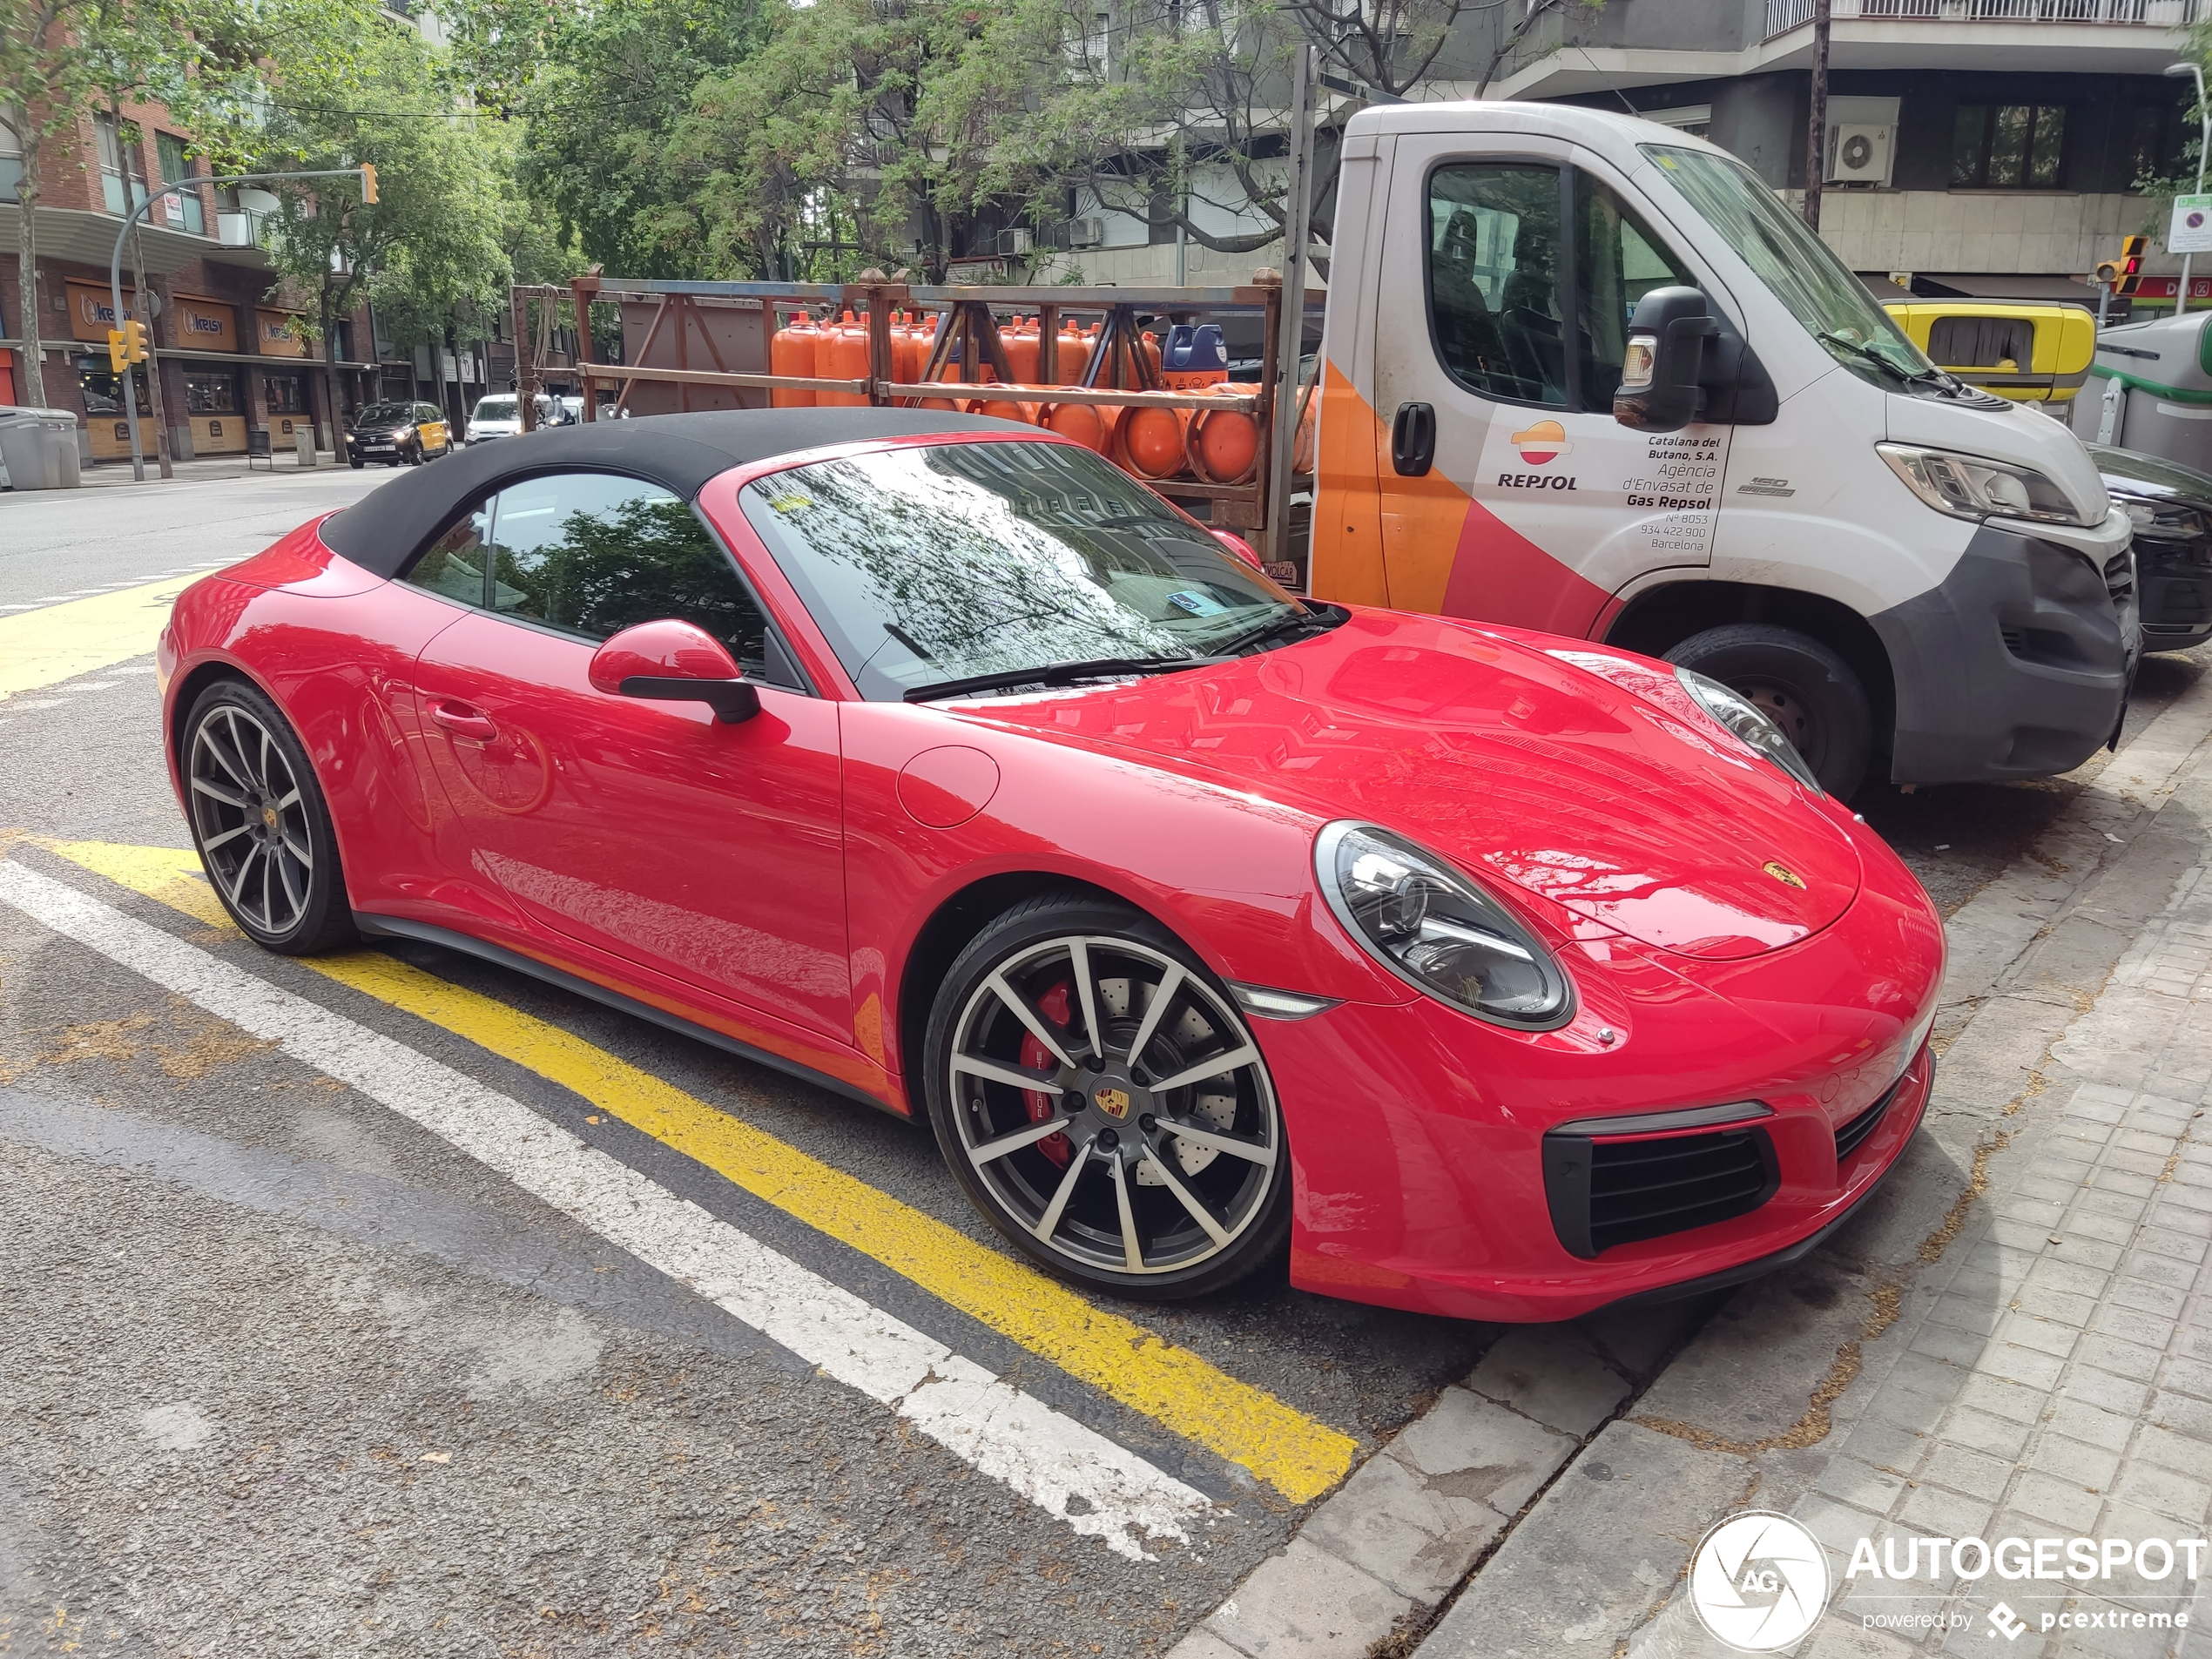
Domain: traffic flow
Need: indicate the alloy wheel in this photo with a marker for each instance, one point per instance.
(1114, 1105)
(251, 819)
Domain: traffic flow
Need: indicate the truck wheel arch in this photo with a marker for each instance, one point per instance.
(1660, 618)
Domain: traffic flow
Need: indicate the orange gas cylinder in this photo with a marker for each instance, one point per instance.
(1021, 342)
(1225, 445)
(791, 351)
(1303, 446)
(910, 343)
(1075, 352)
(844, 356)
(1090, 424)
(1151, 343)
(1150, 441)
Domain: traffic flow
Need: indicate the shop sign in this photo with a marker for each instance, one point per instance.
(205, 325)
(273, 336)
(91, 311)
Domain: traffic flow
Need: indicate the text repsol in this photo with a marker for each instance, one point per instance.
(1534, 481)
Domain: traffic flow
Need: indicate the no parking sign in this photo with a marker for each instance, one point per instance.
(2191, 230)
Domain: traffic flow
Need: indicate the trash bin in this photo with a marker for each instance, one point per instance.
(303, 443)
(39, 447)
(2151, 389)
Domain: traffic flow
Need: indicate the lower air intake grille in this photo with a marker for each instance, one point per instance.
(1608, 1193)
(1852, 1135)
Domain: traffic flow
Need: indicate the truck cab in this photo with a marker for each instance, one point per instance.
(1917, 580)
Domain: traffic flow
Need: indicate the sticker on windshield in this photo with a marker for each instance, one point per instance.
(790, 502)
(1197, 603)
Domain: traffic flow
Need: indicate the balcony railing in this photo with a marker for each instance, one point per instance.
(1782, 16)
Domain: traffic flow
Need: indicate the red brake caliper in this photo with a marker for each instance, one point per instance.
(1036, 1057)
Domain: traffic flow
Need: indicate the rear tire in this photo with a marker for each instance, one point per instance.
(260, 823)
(1098, 1173)
(1805, 688)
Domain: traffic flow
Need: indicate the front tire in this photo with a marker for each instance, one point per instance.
(260, 823)
(1102, 1101)
(1801, 685)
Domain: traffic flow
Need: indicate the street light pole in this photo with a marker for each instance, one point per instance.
(115, 273)
(2195, 72)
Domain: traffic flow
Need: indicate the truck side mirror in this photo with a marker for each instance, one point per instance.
(1666, 355)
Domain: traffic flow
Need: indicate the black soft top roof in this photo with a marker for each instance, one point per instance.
(386, 528)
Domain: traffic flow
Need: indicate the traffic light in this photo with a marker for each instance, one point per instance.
(2125, 274)
(126, 345)
(368, 184)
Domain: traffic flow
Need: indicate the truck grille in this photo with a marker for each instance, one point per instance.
(1608, 1192)
(2120, 574)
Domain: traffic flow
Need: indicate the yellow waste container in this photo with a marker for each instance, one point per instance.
(2032, 353)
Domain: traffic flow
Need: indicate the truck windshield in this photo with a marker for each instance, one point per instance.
(1796, 265)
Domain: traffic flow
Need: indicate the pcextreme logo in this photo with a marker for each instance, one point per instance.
(1759, 1582)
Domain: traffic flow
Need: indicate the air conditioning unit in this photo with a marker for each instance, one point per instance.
(1086, 232)
(1858, 153)
(1013, 244)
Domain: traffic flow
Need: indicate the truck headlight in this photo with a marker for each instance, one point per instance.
(1437, 930)
(1973, 486)
(1750, 723)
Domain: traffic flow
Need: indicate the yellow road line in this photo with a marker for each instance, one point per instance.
(55, 643)
(1294, 1454)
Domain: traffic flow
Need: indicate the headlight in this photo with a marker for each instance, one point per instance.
(1971, 487)
(1437, 930)
(2165, 521)
(404, 435)
(1750, 723)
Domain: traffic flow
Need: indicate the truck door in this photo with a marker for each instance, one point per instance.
(1509, 267)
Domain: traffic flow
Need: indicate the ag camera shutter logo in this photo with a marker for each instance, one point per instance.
(1759, 1582)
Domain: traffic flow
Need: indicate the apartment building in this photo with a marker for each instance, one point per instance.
(232, 348)
(1974, 147)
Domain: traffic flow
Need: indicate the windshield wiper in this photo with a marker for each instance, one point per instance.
(1910, 377)
(1317, 618)
(1057, 674)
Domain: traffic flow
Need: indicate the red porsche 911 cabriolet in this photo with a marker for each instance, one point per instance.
(933, 759)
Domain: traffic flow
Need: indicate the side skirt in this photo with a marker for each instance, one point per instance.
(375, 926)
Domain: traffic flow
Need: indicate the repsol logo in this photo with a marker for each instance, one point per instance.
(1535, 481)
(1672, 503)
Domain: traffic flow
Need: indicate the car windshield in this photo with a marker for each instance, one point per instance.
(386, 414)
(934, 565)
(495, 408)
(1795, 266)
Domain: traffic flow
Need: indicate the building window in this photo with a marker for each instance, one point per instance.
(2154, 140)
(10, 159)
(1693, 119)
(115, 144)
(175, 168)
(2007, 147)
(288, 394)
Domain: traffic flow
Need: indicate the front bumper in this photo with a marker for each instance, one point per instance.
(1418, 1136)
(2018, 664)
(2173, 580)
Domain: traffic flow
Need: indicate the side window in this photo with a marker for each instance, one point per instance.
(453, 568)
(591, 553)
(1617, 261)
(1493, 248)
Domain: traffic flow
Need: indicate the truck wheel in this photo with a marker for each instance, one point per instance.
(1804, 687)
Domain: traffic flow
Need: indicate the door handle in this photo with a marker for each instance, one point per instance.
(463, 721)
(1413, 440)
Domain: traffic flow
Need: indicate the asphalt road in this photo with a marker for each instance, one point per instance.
(288, 1370)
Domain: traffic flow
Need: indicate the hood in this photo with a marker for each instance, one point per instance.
(2130, 473)
(1516, 766)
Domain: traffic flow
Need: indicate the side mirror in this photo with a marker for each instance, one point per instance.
(1237, 545)
(675, 662)
(1666, 355)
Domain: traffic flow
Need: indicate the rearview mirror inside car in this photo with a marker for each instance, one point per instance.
(675, 662)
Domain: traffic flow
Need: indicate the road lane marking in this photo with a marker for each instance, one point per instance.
(1177, 1387)
(58, 642)
(1099, 1488)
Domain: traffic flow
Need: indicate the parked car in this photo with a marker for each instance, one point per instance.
(500, 415)
(2171, 507)
(398, 434)
(935, 760)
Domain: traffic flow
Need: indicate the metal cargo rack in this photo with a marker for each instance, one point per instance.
(966, 338)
